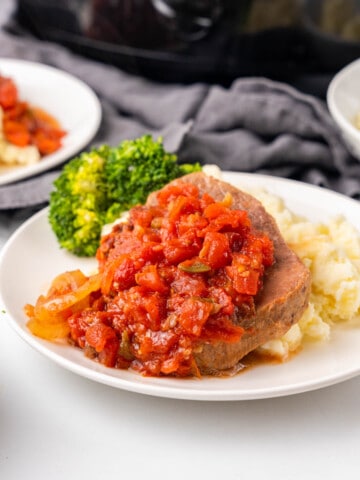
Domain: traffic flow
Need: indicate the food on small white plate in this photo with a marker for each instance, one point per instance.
(27, 133)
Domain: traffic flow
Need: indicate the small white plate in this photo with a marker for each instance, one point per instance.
(68, 99)
(32, 258)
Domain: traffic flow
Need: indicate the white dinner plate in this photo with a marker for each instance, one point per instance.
(65, 97)
(31, 259)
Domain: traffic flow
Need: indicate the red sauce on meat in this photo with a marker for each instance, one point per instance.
(174, 275)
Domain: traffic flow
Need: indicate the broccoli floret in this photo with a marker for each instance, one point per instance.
(136, 168)
(78, 202)
(96, 187)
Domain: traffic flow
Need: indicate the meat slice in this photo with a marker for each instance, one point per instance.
(283, 297)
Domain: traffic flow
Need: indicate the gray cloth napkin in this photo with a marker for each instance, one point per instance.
(255, 125)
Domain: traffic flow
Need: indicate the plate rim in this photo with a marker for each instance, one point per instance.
(331, 92)
(60, 156)
(91, 370)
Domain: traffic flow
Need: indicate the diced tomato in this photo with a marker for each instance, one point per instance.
(97, 335)
(149, 278)
(155, 307)
(46, 141)
(183, 205)
(175, 251)
(192, 315)
(222, 300)
(216, 250)
(244, 281)
(8, 93)
(169, 193)
(162, 342)
(109, 354)
(193, 222)
(175, 363)
(16, 133)
(141, 216)
(18, 110)
(206, 200)
(222, 216)
(223, 329)
(121, 272)
(189, 284)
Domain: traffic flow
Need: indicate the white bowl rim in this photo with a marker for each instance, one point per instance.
(344, 123)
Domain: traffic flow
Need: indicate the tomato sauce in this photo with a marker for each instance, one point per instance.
(174, 275)
(24, 124)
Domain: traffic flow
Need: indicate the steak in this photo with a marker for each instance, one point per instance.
(284, 295)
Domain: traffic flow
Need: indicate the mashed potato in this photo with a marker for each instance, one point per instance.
(332, 253)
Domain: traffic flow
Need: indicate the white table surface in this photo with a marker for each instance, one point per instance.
(55, 425)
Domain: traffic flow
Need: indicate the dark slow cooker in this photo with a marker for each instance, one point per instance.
(301, 42)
